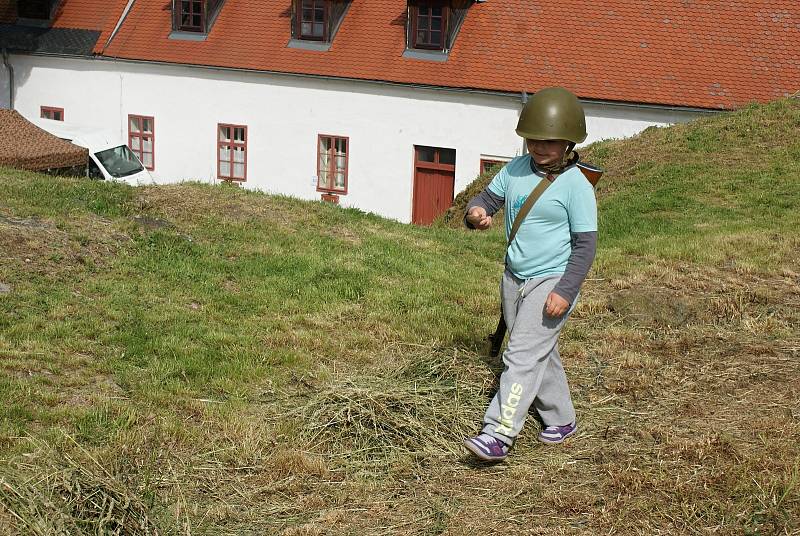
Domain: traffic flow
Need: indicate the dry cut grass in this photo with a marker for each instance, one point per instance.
(66, 492)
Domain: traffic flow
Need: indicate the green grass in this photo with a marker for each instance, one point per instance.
(727, 181)
(191, 359)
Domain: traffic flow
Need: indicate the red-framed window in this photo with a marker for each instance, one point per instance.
(49, 112)
(332, 163)
(428, 24)
(488, 163)
(142, 139)
(312, 19)
(434, 158)
(232, 152)
(190, 15)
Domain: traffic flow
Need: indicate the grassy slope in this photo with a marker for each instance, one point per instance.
(224, 362)
(674, 191)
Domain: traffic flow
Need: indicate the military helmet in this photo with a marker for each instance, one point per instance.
(553, 113)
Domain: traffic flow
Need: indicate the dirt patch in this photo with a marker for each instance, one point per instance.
(90, 391)
(57, 249)
(152, 224)
(654, 307)
(342, 233)
(23, 222)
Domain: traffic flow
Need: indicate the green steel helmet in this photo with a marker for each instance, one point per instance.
(553, 113)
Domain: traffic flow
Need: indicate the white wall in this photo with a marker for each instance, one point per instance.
(605, 121)
(284, 114)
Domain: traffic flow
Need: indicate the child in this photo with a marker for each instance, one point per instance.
(546, 263)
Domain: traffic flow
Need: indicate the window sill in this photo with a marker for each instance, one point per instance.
(428, 55)
(319, 46)
(178, 35)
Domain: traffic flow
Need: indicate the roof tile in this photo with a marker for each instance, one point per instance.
(511, 45)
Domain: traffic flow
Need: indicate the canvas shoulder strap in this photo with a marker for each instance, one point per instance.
(526, 207)
(592, 174)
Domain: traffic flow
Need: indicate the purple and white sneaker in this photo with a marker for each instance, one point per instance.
(487, 448)
(557, 434)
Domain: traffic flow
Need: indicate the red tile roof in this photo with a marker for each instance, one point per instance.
(699, 53)
(99, 15)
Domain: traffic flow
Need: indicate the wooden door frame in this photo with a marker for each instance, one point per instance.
(436, 165)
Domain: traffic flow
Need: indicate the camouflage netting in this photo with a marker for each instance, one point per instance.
(8, 12)
(23, 145)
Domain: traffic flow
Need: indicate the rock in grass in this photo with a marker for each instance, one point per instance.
(4, 289)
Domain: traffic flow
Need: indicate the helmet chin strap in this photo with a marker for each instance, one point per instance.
(569, 158)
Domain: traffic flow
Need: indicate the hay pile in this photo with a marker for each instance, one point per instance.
(424, 406)
(70, 495)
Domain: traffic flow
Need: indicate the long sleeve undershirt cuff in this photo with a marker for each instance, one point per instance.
(488, 201)
(584, 247)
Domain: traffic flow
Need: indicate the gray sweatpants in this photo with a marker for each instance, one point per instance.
(533, 371)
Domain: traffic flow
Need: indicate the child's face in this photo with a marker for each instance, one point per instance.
(546, 152)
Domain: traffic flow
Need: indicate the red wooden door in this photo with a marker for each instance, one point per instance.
(434, 182)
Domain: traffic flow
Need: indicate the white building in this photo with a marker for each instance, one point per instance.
(383, 105)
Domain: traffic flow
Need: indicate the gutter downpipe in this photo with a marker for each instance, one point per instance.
(523, 98)
(10, 69)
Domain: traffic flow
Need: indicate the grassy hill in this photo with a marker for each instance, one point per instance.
(206, 360)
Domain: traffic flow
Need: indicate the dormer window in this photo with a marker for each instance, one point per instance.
(37, 10)
(312, 20)
(315, 23)
(191, 16)
(433, 27)
(194, 16)
(428, 24)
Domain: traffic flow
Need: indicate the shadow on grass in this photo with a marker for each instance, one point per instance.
(472, 462)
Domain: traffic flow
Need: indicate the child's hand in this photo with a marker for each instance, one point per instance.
(555, 305)
(478, 218)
